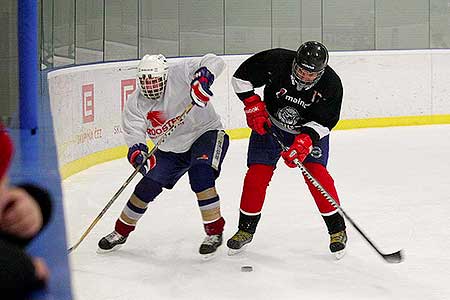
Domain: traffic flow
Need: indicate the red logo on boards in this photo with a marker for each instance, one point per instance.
(87, 98)
(156, 118)
(127, 87)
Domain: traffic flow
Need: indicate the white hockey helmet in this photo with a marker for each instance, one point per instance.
(152, 75)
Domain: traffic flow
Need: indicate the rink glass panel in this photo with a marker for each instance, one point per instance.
(121, 30)
(349, 25)
(89, 31)
(201, 27)
(402, 24)
(159, 28)
(63, 14)
(8, 60)
(82, 31)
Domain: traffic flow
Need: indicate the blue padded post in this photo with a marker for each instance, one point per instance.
(27, 21)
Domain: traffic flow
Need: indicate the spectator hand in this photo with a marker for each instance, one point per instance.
(21, 215)
(256, 114)
(41, 270)
(136, 155)
(200, 92)
(3, 189)
(299, 149)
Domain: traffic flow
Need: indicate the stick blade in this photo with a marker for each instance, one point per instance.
(394, 258)
(71, 249)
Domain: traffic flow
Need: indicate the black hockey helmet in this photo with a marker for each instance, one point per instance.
(309, 64)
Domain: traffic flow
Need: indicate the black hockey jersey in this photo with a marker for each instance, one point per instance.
(314, 111)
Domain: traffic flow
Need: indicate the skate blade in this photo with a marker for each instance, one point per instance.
(102, 251)
(339, 254)
(209, 256)
(232, 252)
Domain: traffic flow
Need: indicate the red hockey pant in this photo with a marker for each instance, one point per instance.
(257, 180)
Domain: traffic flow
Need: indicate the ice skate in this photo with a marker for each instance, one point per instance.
(237, 242)
(112, 241)
(338, 242)
(209, 245)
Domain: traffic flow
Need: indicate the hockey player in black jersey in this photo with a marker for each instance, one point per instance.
(302, 103)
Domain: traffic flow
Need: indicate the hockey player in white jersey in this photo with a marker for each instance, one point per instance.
(198, 146)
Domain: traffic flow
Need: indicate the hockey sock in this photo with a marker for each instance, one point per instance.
(335, 223)
(209, 204)
(255, 185)
(145, 191)
(215, 227)
(248, 223)
(131, 213)
(320, 173)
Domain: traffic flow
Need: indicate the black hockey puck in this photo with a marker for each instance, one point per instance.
(246, 269)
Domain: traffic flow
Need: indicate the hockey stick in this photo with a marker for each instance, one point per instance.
(180, 120)
(395, 257)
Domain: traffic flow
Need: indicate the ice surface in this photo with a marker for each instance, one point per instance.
(393, 182)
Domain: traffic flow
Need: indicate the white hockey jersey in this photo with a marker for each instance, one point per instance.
(142, 116)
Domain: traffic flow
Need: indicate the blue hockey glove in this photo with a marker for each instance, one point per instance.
(200, 92)
(136, 156)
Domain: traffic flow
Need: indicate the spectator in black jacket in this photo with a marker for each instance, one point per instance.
(24, 211)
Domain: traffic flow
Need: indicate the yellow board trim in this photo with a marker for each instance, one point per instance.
(393, 121)
(93, 159)
(241, 133)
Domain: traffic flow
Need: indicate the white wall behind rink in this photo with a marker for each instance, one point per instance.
(86, 101)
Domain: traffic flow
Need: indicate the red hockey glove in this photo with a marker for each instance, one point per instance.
(299, 149)
(136, 156)
(200, 92)
(257, 116)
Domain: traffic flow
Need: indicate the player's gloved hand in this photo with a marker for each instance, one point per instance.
(200, 92)
(299, 149)
(256, 114)
(136, 155)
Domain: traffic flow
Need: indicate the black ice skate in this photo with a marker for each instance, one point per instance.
(338, 242)
(247, 227)
(238, 241)
(112, 241)
(210, 244)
